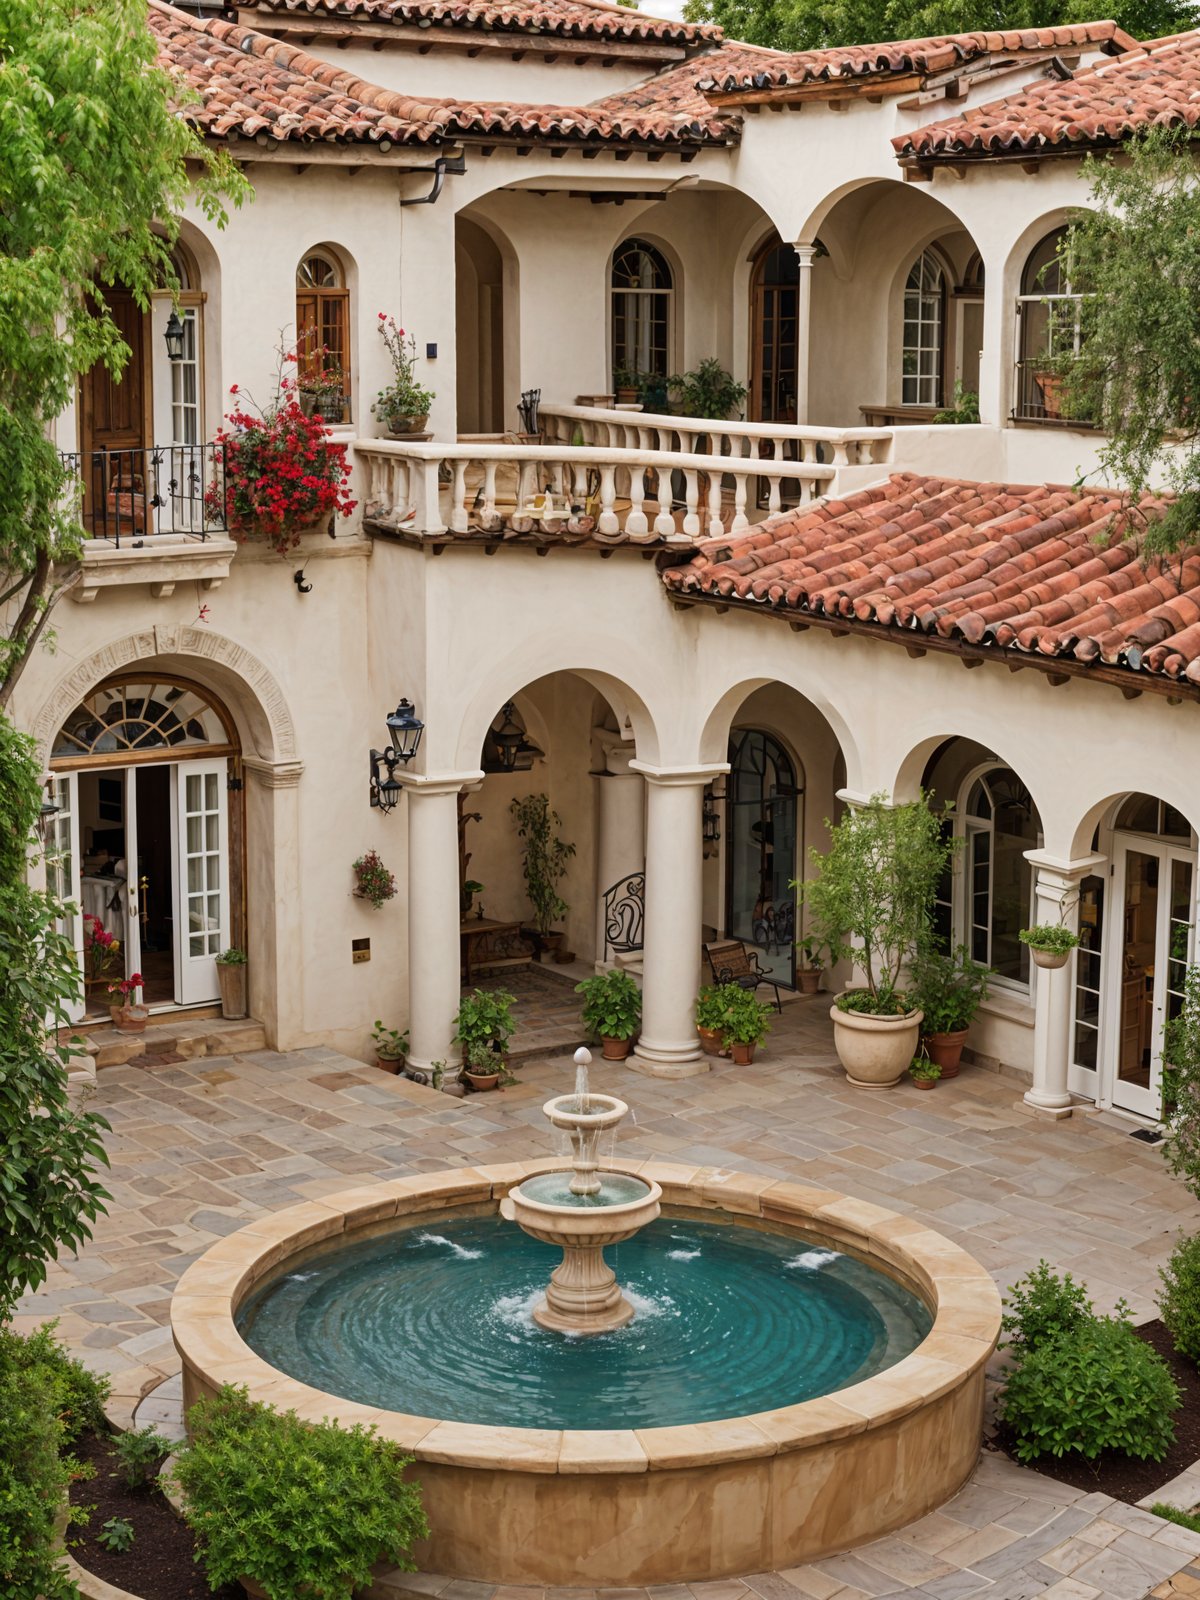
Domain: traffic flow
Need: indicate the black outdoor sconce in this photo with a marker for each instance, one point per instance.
(173, 334)
(404, 735)
(711, 817)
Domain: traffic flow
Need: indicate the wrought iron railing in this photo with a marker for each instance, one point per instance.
(624, 914)
(129, 496)
(1041, 396)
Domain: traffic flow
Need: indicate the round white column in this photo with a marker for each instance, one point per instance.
(806, 254)
(433, 916)
(669, 1047)
(620, 831)
(1056, 900)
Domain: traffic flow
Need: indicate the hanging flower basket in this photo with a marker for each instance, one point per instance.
(375, 882)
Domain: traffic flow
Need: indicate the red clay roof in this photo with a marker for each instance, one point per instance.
(1157, 85)
(673, 93)
(573, 19)
(250, 84)
(903, 57)
(1018, 568)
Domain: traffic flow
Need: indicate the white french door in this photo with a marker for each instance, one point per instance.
(62, 873)
(133, 926)
(1151, 938)
(199, 828)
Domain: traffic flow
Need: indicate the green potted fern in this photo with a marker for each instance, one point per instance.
(544, 861)
(612, 1011)
(483, 1027)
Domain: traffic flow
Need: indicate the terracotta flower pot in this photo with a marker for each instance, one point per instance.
(925, 1083)
(613, 1049)
(743, 1054)
(129, 1019)
(390, 1063)
(945, 1050)
(231, 977)
(482, 1081)
(875, 1051)
(1051, 960)
(710, 1041)
(809, 979)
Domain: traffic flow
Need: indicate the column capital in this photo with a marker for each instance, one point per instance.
(679, 777)
(1060, 872)
(273, 774)
(435, 783)
(806, 254)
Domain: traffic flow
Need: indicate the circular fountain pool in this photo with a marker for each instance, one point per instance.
(401, 1322)
(753, 1415)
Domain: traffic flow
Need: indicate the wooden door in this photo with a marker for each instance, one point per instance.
(775, 354)
(113, 419)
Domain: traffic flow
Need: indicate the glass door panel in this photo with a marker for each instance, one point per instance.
(63, 873)
(1139, 951)
(1085, 1036)
(201, 921)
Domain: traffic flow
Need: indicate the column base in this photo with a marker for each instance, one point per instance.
(1052, 1106)
(685, 1060)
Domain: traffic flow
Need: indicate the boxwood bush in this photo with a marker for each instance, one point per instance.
(301, 1508)
(1179, 1301)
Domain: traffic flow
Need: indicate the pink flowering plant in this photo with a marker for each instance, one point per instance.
(375, 882)
(124, 992)
(279, 471)
(404, 396)
(100, 948)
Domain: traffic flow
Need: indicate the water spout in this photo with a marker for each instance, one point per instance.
(583, 1060)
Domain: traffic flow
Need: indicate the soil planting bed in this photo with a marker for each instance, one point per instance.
(1121, 1476)
(159, 1565)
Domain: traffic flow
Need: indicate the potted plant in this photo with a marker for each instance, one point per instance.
(375, 882)
(231, 977)
(545, 861)
(627, 381)
(403, 407)
(872, 904)
(324, 386)
(707, 391)
(744, 1022)
(467, 898)
(612, 1011)
(391, 1046)
(1050, 944)
(483, 1027)
(811, 969)
(127, 1014)
(100, 950)
(924, 1072)
(710, 1011)
(277, 473)
(949, 988)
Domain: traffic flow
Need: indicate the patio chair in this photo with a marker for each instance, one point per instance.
(729, 961)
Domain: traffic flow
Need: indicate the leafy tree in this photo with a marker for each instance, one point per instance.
(1136, 260)
(49, 1193)
(94, 167)
(816, 24)
(1181, 1085)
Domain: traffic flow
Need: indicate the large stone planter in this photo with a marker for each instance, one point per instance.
(875, 1051)
(231, 976)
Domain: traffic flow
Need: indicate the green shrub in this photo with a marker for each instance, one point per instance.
(485, 1018)
(1042, 1307)
(301, 1508)
(141, 1455)
(34, 1472)
(1182, 1519)
(116, 1535)
(1049, 936)
(612, 1005)
(1097, 1387)
(744, 1019)
(1179, 1301)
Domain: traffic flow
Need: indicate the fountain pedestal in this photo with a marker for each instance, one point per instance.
(583, 1215)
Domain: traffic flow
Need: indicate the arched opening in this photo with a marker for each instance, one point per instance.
(923, 353)
(323, 333)
(641, 297)
(479, 306)
(151, 835)
(1048, 327)
(764, 818)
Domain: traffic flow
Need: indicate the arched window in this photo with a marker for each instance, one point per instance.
(323, 333)
(924, 332)
(142, 719)
(1001, 823)
(1048, 310)
(642, 291)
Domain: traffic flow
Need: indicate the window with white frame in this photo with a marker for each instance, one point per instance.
(1049, 326)
(1000, 823)
(924, 332)
(185, 382)
(642, 290)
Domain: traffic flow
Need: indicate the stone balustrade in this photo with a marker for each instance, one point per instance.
(642, 430)
(608, 492)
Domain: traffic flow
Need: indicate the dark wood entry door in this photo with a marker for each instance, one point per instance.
(113, 418)
(776, 294)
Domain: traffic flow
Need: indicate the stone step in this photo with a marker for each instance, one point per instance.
(177, 1035)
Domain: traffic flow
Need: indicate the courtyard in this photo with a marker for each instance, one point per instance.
(200, 1146)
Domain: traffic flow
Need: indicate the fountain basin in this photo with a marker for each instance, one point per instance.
(639, 1505)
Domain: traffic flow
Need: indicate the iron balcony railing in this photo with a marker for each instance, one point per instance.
(130, 496)
(1041, 396)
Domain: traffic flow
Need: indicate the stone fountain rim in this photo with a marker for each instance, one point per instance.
(961, 1295)
(617, 1110)
(549, 1208)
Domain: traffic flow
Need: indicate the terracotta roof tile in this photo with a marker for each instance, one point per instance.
(674, 93)
(249, 84)
(575, 19)
(905, 56)
(1156, 85)
(1041, 569)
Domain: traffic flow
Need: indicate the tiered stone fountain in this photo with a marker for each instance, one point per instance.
(583, 1214)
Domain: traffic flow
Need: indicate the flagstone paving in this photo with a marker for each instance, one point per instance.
(200, 1146)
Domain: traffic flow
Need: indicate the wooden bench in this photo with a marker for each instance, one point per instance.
(729, 961)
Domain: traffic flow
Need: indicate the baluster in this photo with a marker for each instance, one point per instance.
(775, 496)
(715, 525)
(427, 496)
(556, 478)
(608, 522)
(740, 485)
(841, 453)
(525, 485)
(458, 495)
(489, 518)
(636, 525)
(664, 522)
(691, 519)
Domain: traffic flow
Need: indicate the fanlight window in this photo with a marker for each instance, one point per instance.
(141, 719)
(641, 312)
(323, 327)
(1144, 813)
(924, 319)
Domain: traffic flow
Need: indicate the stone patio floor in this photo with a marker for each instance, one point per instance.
(199, 1147)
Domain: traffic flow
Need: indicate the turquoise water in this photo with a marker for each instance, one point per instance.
(554, 1189)
(436, 1321)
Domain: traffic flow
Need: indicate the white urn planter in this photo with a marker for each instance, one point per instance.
(875, 1051)
(1050, 960)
